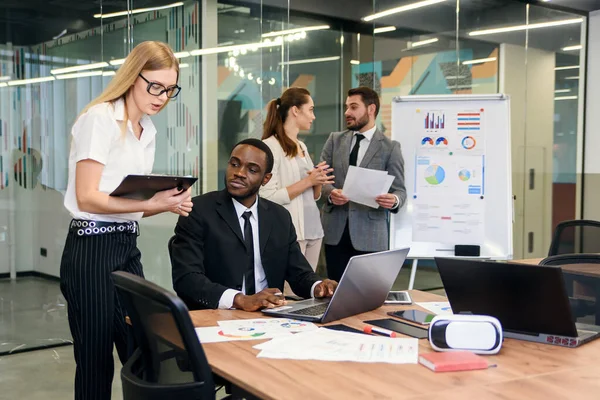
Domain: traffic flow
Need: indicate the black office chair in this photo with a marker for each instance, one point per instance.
(170, 362)
(566, 259)
(576, 236)
(580, 307)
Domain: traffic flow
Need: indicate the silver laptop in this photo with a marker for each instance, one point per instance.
(364, 286)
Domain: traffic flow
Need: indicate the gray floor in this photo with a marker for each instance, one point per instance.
(32, 313)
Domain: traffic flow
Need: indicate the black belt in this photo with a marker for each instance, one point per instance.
(91, 228)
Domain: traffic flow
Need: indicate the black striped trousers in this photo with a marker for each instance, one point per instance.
(96, 316)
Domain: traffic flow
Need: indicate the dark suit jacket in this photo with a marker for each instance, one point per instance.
(208, 253)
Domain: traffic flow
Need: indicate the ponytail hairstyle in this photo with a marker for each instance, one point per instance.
(150, 55)
(277, 112)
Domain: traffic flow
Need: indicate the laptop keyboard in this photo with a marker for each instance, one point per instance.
(312, 310)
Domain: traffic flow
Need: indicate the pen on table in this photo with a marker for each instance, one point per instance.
(381, 331)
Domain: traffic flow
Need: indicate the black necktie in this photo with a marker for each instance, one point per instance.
(354, 152)
(249, 239)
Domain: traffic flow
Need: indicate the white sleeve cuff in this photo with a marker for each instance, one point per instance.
(312, 289)
(226, 300)
(397, 203)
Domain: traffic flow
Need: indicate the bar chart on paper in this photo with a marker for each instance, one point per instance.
(435, 120)
(469, 121)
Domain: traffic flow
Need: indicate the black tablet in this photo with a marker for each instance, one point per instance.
(143, 187)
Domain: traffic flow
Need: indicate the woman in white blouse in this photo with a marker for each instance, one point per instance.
(112, 138)
(296, 182)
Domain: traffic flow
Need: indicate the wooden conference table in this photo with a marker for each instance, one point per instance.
(525, 370)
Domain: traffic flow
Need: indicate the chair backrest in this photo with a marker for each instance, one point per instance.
(170, 358)
(576, 236)
(566, 259)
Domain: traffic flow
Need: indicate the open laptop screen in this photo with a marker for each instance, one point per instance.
(528, 299)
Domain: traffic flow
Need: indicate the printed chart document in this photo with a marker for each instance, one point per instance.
(214, 334)
(252, 329)
(266, 325)
(437, 307)
(449, 178)
(362, 185)
(329, 345)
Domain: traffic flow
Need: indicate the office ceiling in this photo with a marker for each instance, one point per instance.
(27, 22)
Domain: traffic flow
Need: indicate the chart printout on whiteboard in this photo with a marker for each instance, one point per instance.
(449, 175)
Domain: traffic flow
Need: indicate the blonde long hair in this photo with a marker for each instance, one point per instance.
(150, 55)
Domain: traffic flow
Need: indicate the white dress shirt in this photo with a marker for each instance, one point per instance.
(363, 145)
(260, 278)
(96, 135)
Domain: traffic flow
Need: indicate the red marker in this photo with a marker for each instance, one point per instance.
(381, 331)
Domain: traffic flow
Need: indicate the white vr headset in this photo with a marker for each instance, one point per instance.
(480, 334)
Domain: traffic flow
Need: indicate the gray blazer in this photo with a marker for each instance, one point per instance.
(369, 230)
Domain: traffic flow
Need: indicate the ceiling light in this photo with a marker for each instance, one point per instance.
(259, 80)
(567, 67)
(117, 61)
(384, 29)
(572, 77)
(108, 73)
(3, 85)
(76, 68)
(225, 49)
(182, 54)
(565, 98)
(571, 48)
(33, 80)
(272, 81)
(310, 60)
(5, 78)
(402, 9)
(295, 30)
(63, 33)
(79, 75)
(562, 90)
(354, 62)
(526, 27)
(137, 11)
(183, 65)
(479, 61)
(423, 42)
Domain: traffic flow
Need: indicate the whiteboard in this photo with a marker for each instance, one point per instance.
(425, 223)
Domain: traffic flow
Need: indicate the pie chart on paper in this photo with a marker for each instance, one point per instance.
(464, 175)
(434, 174)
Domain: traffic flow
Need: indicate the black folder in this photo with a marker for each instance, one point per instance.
(143, 187)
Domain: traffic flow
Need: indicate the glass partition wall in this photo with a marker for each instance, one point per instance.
(238, 55)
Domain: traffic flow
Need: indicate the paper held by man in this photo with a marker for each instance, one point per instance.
(362, 185)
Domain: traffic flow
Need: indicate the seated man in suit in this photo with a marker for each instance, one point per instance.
(236, 250)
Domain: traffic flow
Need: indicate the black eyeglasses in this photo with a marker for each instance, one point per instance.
(156, 89)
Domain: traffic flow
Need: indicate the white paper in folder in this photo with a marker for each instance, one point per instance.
(362, 185)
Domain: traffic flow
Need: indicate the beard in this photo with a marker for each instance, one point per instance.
(358, 124)
(250, 191)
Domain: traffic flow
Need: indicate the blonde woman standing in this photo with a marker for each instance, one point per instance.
(113, 137)
(296, 182)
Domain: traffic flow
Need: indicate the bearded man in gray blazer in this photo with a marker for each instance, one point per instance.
(351, 228)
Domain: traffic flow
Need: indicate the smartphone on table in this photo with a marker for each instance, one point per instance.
(395, 297)
(416, 316)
